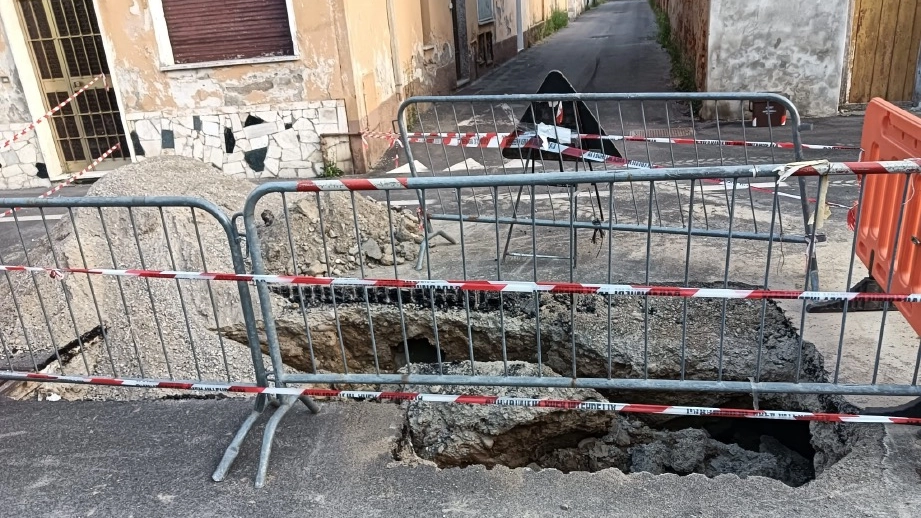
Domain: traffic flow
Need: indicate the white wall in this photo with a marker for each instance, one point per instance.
(791, 46)
(17, 162)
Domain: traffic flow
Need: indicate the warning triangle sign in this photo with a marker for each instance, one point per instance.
(573, 116)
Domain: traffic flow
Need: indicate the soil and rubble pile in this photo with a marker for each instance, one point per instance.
(158, 328)
(132, 327)
(323, 232)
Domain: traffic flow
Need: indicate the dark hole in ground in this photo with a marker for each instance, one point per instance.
(572, 441)
(747, 433)
(421, 350)
(463, 435)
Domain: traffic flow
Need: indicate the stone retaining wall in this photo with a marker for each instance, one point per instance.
(294, 140)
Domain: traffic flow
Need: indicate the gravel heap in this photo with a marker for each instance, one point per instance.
(169, 329)
(152, 338)
(337, 250)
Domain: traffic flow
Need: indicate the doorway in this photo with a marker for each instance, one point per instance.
(66, 49)
(461, 50)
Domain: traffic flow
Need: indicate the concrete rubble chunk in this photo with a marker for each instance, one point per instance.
(372, 249)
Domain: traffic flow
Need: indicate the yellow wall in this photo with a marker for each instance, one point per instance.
(317, 75)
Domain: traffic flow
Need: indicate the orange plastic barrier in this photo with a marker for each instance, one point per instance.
(890, 133)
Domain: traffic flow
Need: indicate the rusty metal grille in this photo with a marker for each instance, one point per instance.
(66, 47)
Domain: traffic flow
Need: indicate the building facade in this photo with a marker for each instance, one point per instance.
(258, 88)
(823, 55)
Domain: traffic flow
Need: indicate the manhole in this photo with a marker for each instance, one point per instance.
(663, 133)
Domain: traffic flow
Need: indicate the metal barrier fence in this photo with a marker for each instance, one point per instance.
(519, 134)
(622, 322)
(677, 294)
(125, 327)
(646, 312)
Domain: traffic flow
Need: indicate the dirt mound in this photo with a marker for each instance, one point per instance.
(323, 230)
(132, 327)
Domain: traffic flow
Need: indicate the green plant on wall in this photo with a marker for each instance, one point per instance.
(559, 19)
(331, 170)
(682, 74)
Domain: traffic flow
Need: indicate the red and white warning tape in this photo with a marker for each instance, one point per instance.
(494, 140)
(52, 111)
(482, 285)
(534, 142)
(908, 166)
(398, 397)
(70, 180)
(518, 140)
(392, 138)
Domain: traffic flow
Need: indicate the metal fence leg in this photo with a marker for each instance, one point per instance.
(428, 235)
(511, 227)
(310, 404)
(813, 266)
(574, 196)
(268, 436)
(230, 454)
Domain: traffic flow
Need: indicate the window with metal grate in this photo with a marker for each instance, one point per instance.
(204, 30)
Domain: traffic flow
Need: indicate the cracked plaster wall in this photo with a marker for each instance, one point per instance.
(789, 46)
(298, 100)
(19, 163)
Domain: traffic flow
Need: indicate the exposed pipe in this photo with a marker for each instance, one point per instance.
(395, 52)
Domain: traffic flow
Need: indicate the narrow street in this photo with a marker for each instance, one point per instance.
(611, 48)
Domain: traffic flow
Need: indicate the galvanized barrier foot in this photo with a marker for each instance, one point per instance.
(283, 404)
(233, 450)
(431, 234)
(230, 454)
(310, 404)
(268, 436)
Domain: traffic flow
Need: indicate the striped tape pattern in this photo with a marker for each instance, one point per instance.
(398, 397)
(494, 140)
(51, 112)
(70, 180)
(483, 285)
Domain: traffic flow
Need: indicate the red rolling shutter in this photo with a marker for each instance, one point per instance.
(205, 30)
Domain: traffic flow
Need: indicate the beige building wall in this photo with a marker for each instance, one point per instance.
(438, 51)
(356, 61)
(298, 105)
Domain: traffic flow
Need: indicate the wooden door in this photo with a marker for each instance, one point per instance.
(886, 36)
(66, 49)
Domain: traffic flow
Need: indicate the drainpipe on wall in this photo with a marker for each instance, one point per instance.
(395, 52)
(520, 22)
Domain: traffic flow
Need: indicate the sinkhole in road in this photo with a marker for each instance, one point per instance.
(595, 336)
(793, 452)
